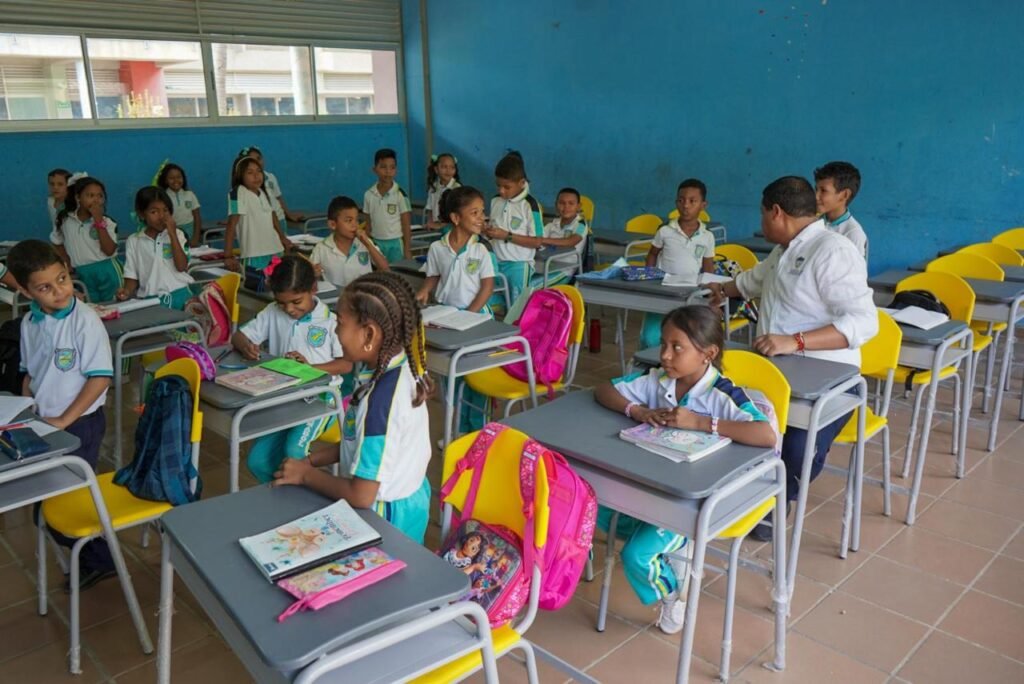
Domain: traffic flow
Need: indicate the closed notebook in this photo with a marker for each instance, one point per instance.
(681, 446)
(312, 540)
(19, 443)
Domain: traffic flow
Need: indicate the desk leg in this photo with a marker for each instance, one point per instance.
(922, 447)
(858, 473)
(965, 413)
(1004, 376)
(780, 593)
(234, 451)
(779, 520)
(449, 405)
(118, 419)
(609, 565)
(692, 599)
(163, 653)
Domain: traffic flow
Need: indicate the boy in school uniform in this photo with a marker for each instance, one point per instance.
(387, 209)
(836, 184)
(347, 252)
(65, 352)
(815, 301)
(568, 230)
(684, 246)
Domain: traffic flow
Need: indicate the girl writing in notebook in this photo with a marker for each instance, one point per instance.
(300, 327)
(386, 434)
(690, 392)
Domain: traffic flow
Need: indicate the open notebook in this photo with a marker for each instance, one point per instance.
(444, 316)
(917, 317)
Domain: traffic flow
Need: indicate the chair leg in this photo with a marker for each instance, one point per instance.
(909, 455)
(75, 654)
(886, 473)
(145, 536)
(956, 414)
(588, 569)
(530, 660)
(41, 566)
(609, 565)
(730, 606)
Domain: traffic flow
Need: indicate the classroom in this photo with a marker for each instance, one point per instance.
(499, 336)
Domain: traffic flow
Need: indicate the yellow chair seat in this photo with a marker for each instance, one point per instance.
(743, 526)
(738, 324)
(496, 383)
(981, 342)
(920, 377)
(982, 327)
(504, 638)
(872, 424)
(74, 515)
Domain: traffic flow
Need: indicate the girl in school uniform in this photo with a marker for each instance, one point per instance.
(297, 326)
(273, 187)
(688, 391)
(87, 239)
(156, 257)
(172, 179)
(442, 174)
(516, 224)
(386, 433)
(57, 185)
(251, 215)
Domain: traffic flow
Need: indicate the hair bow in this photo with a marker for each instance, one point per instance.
(77, 176)
(269, 270)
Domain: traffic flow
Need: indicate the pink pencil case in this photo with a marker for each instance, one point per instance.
(333, 581)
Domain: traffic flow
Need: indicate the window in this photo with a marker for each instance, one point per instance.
(356, 81)
(134, 79)
(262, 80)
(41, 77)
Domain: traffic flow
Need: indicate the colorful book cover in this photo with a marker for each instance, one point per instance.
(256, 381)
(341, 571)
(673, 443)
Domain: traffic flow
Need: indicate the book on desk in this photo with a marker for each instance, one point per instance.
(681, 446)
(269, 376)
(443, 316)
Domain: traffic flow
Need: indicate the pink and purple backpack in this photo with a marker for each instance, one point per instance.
(210, 309)
(545, 323)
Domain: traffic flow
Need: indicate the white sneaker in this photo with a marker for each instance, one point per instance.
(673, 613)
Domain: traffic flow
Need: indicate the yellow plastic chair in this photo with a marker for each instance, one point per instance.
(587, 209)
(496, 504)
(1001, 254)
(1012, 238)
(230, 283)
(746, 260)
(647, 224)
(879, 358)
(74, 515)
(703, 216)
(498, 384)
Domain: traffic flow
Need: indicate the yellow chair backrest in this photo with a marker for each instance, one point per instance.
(644, 223)
(881, 353)
(967, 266)
(1012, 238)
(1001, 254)
(189, 370)
(747, 369)
(587, 209)
(579, 312)
(703, 216)
(498, 501)
(738, 253)
(229, 283)
(949, 288)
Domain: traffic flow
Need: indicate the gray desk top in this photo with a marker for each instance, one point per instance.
(599, 446)
(651, 287)
(411, 266)
(1013, 274)
(228, 399)
(444, 339)
(60, 442)
(933, 337)
(991, 291)
(620, 237)
(808, 377)
(755, 244)
(207, 533)
(144, 318)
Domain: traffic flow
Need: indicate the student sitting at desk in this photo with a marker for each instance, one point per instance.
(347, 252)
(688, 392)
(296, 326)
(815, 300)
(684, 246)
(568, 230)
(65, 352)
(386, 434)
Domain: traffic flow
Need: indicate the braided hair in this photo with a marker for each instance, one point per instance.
(386, 299)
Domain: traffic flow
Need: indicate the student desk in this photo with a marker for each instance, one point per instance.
(696, 499)
(136, 333)
(1012, 274)
(239, 417)
(621, 243)
(42, 479)
(758, 245)
(200, 543)
(257, 301)
(414, 272)
(455, 353)
(557, 259)
(821, 392)
(995, 302)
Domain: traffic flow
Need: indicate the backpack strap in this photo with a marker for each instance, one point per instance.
(474, 459)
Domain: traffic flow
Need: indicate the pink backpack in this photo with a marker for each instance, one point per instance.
(210, 309)
(573, 512)
(545, 323)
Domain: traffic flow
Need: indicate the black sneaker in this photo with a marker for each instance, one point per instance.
(762, 532)
(89, 578)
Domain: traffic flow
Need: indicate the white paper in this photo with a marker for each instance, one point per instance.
(706, 278)
(134, 304)
(203, 250)
(450, 317)
(305, 239)
(11, 407)
(919, 318)
(679, 280)
(41, 428)
(324, 286)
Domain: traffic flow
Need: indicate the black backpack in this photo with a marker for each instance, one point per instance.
(922, 299)
(11, 377)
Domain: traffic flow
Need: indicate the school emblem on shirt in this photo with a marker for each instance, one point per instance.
(94, 234)
(64, 359)
(798, 266)
(188, 204)
(472, 266)
(699, 251)
(392, 209)
(516, 222)
(167, 251)
(316, 336)
(364, 258)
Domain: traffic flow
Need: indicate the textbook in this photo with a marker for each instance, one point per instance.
(917, 317)
(270, 376)
(681, 446)
(310, 541)
(114, 310)
(444, 316)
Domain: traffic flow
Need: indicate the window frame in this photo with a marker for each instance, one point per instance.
(214, 118)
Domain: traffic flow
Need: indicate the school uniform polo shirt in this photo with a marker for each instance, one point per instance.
(151, 262)
(713, 395)
(818, 280)
(384, 437)
(184, 203)
(519, 215)
(434, 198)
(340, 268)
(385, 211)
(848, 226)
(81, 239)
(315, 335)
(60, 352)
(682, 255)
(256, 234)
(52, 209)
(460, 272)
(577, 226)
(274, 190)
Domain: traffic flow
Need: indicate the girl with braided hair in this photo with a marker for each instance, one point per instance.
(385, 434)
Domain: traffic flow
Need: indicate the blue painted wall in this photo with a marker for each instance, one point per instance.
(624, 102)
(313, 162)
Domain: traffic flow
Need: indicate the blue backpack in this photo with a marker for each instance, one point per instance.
(162, 469)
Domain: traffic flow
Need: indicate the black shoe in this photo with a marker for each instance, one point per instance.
(89, 578)
(762, 532)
